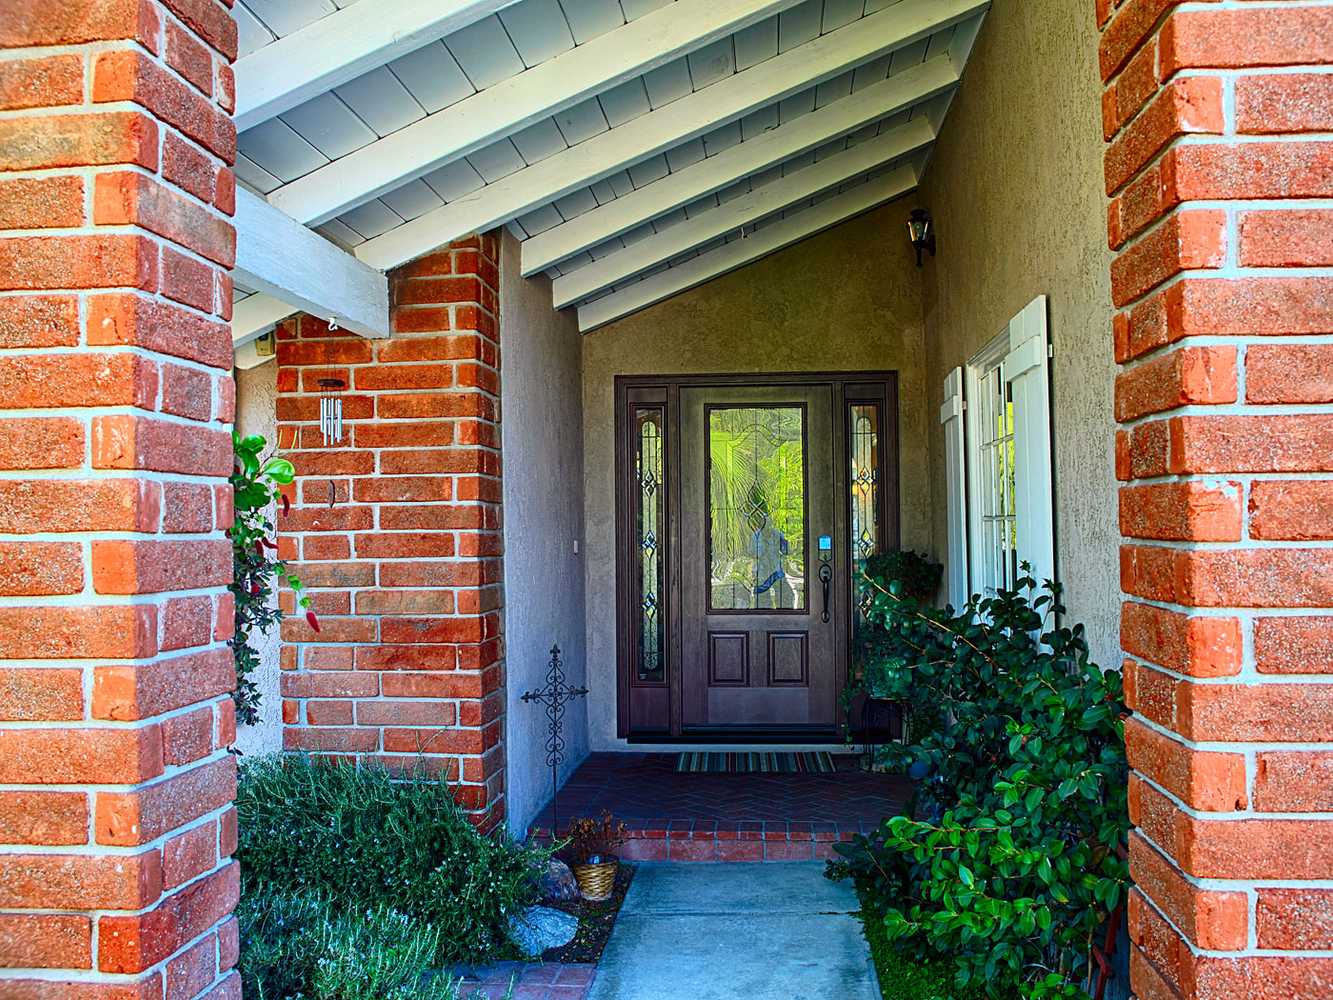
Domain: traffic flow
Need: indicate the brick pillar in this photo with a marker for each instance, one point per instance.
(404, 567)
(1225, 447)
(116, 401)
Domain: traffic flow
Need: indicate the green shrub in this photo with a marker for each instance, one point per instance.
(1015, 860)
(297, 947)
(363, 838)
(904, 978)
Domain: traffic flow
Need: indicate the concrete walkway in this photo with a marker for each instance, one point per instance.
(771, 931)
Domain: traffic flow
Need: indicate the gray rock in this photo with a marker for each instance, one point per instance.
(542, 927)
(557, 883)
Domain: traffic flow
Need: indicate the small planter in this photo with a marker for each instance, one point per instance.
(596, 877)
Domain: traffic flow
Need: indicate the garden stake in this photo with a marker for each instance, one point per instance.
(554, 695)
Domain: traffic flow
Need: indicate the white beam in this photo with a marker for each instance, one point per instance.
(254, 314)
(738, 253)
(278, 256)
(680, 188)
(737, 213)
(340, 47)
(657, 131)
(513, 104)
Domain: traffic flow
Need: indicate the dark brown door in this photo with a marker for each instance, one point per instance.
(760, 600)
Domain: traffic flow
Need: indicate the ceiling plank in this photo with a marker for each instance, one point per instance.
(515, 103)
(659, 130)
(254, 314)
(723, 169)
(737, 213)
(340, 47)
(278, 256)
(738, 253)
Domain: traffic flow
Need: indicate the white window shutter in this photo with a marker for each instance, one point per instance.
(1028, 374)
(955, 474)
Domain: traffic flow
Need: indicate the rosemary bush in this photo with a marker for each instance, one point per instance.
(1012, 859)
(364, 838)
(256, 486)
(299, 947)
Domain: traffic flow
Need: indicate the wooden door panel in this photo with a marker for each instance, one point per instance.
(728, 659)
(788, 659)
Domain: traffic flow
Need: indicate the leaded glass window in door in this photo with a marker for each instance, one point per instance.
(650, 535)
(863, 449)
(756, 504)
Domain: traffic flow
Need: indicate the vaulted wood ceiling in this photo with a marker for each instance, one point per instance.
(637, 148)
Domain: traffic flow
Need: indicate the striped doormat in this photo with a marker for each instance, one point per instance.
(814, 762)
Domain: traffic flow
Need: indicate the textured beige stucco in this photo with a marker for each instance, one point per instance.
(845, 300)
(541, 427)
(256, 413)
(1015, 188)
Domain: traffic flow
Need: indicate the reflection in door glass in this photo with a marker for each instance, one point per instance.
(864, 481)
(648, 525)
(756, 503)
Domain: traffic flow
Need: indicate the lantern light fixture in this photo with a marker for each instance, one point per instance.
(921, 231)
(331, 409)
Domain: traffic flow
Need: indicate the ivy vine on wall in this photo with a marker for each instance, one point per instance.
(256, 489)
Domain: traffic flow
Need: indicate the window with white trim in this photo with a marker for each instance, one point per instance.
(991, 486)
(996, 418)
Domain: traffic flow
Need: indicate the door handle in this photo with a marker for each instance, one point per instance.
(825, 578)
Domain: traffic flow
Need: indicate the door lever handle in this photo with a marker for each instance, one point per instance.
(825, 578)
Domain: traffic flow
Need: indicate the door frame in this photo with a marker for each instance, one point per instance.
(660, 701)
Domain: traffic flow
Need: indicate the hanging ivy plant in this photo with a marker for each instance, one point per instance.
(256, 487)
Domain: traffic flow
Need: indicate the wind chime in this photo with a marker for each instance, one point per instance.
(331, 410)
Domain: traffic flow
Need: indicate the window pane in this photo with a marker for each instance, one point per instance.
(756, 505)
(996, 493)
(648, 525)
(864, 480)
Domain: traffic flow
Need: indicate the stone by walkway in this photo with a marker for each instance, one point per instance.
(773, 931)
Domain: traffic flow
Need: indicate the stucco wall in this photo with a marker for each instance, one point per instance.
(1015, 190)
(845, 300)
(541, 426)
(256, 413)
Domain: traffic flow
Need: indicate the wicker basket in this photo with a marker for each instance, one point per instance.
(596, 877)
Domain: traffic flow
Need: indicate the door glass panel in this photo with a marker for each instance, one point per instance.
(864, 479)
(756, 506)
(649, 535)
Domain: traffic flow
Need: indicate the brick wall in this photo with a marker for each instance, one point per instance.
(403, 568)
(1220, 169)
(116, 399)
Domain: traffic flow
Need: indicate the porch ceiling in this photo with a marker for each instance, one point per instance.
(637, 148)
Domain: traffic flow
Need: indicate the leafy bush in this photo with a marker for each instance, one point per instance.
(256, 485)
(905, 573)
(364, 838)
(905, 978)
(298, 947)
(1014, 855)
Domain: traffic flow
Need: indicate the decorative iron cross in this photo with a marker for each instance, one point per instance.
(554, 696)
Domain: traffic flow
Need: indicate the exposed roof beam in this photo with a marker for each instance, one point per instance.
(737, 253)
(737, 213)
(680, 121)
(254, 314)
(723, 169)
(278, 256)
(522, 100)
(340, 47)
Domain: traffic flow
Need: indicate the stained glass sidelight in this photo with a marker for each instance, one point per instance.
(864, 480)
(649, 526)
(756, 499)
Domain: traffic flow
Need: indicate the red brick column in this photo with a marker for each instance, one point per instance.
(1225, 446)
(404, 567)
(116, 401)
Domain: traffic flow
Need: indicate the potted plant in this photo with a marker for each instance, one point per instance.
(902, 576)
(591, 852)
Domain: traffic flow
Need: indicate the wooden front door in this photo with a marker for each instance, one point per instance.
(744, 506)
(760, 616)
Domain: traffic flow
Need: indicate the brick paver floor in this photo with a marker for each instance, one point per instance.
(727, 817)
(547, 981)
